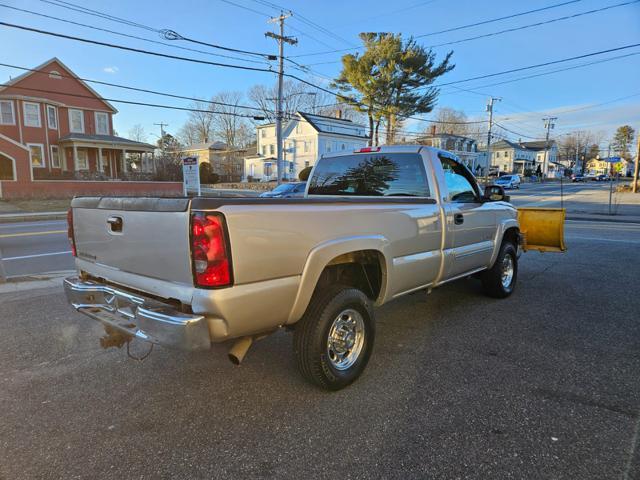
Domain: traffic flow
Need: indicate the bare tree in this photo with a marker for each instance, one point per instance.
(574, 148)
(451, 121)
(137, 133)
(199, 125)
(296, 96)
(227, 120)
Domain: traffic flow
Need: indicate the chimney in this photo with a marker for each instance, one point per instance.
(433, 130)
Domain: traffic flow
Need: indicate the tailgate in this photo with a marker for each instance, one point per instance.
(143, 236)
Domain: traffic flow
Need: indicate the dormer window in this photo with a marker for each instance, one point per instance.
(55, 75)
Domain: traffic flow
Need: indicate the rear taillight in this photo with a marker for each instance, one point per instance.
(72, 239)
(367, 150)
(210, 250)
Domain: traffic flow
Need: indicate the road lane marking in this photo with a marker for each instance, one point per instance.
(23, 257)
(600, 239)
(28, 234)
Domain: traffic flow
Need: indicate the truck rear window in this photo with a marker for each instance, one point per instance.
(387, 174)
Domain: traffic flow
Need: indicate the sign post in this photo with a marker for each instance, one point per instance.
(190, 175)
(611, 161)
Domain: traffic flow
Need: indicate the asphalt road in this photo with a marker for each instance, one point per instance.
(581, 198)
(544, 384)
(35, 247)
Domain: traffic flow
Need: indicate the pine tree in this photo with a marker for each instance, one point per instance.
(390, 81)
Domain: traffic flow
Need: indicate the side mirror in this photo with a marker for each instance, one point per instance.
(494, 193)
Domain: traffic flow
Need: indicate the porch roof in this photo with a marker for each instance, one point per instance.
(105, 141)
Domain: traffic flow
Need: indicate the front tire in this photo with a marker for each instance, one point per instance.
(500, 280)
(333, 340)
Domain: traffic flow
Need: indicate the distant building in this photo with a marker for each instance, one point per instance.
(225, 162)
(465, 148)
(523, 157)
(57, 139)
(306, 136)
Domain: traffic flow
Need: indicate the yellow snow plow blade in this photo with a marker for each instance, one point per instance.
(542, 229)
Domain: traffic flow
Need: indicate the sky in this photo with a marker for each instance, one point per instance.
(598, 97)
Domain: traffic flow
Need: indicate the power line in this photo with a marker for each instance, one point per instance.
(573, 67)
(514, 132)
(515, 29)
(537, 24)
(137, 50)
(136, 89)
(133, 36)
(304, 20)
(131, 102)
(96, 13)
(484, 22)
(302, 68)
(520, 69)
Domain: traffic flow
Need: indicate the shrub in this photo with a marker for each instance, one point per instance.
(304, 174)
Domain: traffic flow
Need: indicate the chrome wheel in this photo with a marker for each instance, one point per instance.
(346, 339)
(507, 271)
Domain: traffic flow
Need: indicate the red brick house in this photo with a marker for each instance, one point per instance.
(57, 140)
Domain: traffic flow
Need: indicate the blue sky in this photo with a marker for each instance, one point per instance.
(573, 95)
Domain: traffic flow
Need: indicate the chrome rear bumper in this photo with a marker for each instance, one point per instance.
(142, 317)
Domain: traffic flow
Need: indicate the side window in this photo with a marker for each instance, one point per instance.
(456, 177)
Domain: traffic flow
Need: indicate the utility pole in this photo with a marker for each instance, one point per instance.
(281, 39)
(490, 110)
(548, 124)
(161, 125)
(635, 170)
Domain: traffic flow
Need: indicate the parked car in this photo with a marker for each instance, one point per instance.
(286, 190)
(602, 178)
(577, 177)
(376, 224)
(508, 181)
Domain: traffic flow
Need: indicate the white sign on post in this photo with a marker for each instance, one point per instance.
(190, 175)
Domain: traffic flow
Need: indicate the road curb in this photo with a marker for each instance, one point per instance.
(35, 281)
(603, 218)
(31, 217)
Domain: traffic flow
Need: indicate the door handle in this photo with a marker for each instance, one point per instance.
(458, 219)
(115, 224)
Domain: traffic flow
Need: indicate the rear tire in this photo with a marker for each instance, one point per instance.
(333, 340)
(500, 280)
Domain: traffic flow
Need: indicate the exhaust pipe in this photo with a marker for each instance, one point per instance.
(239, 350)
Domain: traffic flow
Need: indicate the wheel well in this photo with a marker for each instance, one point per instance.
(361, 269)
(512, 235)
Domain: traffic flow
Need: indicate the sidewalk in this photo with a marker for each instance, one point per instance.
(595, 217)
(34, 281)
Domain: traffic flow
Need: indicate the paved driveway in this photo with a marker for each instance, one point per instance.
(544, 384)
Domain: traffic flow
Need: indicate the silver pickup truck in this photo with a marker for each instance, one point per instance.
(375, 224)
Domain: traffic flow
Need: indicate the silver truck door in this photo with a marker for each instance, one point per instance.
(470, 223)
